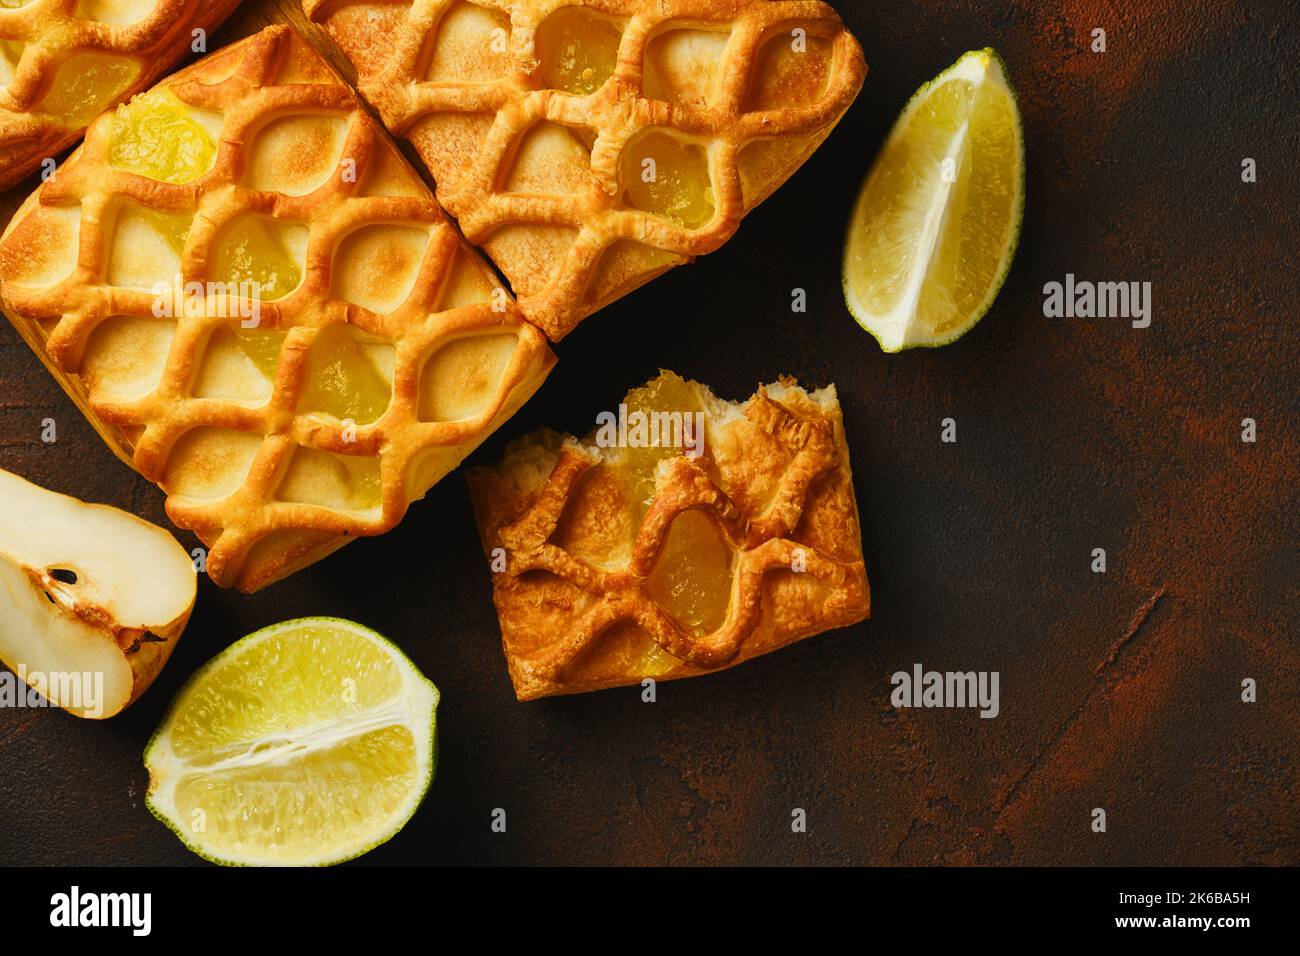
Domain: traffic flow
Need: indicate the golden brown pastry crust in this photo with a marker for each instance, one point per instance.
(255, 533)
(568, 255)
(50, 32)
(774, 482)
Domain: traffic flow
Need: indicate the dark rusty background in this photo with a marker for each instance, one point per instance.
(1118, 690)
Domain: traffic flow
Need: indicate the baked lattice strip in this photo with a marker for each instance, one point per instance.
(64, 61)
(537, 120)
(614, 563)
(367, 351)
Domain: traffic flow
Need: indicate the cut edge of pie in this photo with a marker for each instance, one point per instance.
(613, 564)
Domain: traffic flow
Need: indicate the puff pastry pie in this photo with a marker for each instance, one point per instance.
(589, 147)
(614, 562)
(64, 61)
(260, 306)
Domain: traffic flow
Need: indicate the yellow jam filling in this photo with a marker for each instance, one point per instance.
(253, 251)
(692, 580)
(171, 226)
(367, 489)
(668, 179)
(156, 136)
(638, 466)
(262, 346)
(578, 52)
(86, 83)
(344, 382)
(11, 51)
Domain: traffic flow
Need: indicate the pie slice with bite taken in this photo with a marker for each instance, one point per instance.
(692, 535)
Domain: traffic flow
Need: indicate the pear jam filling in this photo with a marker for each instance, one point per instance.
(578, 52)
(86, 83)
(155, 135)
(261, 347)
(669, 179)
(692, 579)
(254, 250)
(346, 378)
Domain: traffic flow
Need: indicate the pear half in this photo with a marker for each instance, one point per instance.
(92, 599)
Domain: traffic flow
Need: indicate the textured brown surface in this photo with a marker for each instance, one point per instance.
(1073, 434)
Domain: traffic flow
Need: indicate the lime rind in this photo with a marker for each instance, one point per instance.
(411, 674)
(989, 64)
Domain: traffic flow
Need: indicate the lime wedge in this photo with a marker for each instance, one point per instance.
(306, 743)
(935, 226)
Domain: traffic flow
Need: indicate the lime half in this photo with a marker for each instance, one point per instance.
(935, 226)
(304, 744)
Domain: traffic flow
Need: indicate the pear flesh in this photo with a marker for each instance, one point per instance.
(92, 599)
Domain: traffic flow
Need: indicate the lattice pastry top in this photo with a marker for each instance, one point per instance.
(260, 305)
(64, 61)
(616, 559)
(591, 147)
